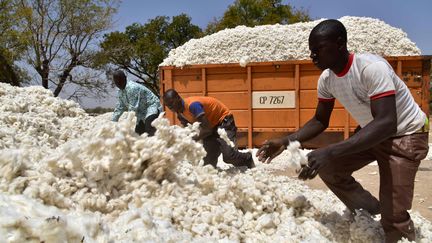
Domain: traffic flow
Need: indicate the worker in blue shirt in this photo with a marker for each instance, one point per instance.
(138, 98)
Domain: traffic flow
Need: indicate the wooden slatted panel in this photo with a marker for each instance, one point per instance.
(412, 74)
(309, 79)
(188, 83)
(426, 72)
(229, 83)
(275, 77)
(241, 118)
(337, 119)
(233, 100)
(417, 94)
(274, 118)
(226, 82)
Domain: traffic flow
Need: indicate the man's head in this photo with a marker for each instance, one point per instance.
(119, 78)
(173, 101)
(328, 45)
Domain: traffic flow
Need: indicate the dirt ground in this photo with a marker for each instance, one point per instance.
(368, 176)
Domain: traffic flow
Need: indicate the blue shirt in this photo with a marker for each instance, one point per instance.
(138, 98)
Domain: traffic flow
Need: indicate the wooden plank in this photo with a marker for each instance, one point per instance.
(297, 95)
(241, 118)
(417, 94)
(227, 70)
(229, 82)
(412, 76)
(187, 84)
(273, 81)
(162, 84)
(426, 70)
(233, 100)
(274, 118)
(250, 123)
(309, 67)
(273, 69)
(399, 68)
(187, 72)
(309, 79)
(347, 125)
(170, 81)
(337, 119)
(204, 81)
(413, 64)
(306, 61)
(189, 94)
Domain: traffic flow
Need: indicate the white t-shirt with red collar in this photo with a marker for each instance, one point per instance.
(367, 77)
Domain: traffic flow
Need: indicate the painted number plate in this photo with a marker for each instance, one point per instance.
(273, 99)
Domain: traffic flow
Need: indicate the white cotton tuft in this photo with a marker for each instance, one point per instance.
(244, 60)
(222, 134)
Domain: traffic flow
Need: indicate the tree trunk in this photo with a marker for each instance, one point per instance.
(7, 73)
(45, 73)
(64, 76)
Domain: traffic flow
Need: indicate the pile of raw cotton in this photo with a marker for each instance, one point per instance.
(107, 184)
(33, 117)
(287, 42)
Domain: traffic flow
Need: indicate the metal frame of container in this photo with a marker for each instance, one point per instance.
(234, 86)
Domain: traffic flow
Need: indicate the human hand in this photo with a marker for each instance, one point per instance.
(316, 160)
(270, 149)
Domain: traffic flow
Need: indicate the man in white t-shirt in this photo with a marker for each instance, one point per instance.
(393, 130)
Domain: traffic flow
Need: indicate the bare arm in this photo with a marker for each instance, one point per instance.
(182, 120)
(316, 125)
(383, 126)
(205, 126)
(119, 109)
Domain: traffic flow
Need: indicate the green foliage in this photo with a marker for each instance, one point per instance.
(62, 35)
(257, 12)
(142, 47)
(13, 42)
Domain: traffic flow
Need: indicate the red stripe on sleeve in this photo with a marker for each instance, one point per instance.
(387, 93)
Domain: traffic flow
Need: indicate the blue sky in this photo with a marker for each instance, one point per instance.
(413, 17)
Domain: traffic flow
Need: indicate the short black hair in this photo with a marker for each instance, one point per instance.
(170, 94)
(119, 74)
(331, 28)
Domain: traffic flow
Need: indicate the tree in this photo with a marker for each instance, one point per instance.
(62, 35)
(257, 12)
(13, 42)
(141, 48)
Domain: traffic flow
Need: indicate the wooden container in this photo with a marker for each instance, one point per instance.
(273, 99)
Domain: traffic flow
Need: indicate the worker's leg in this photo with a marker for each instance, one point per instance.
(211, 146)
(231, 154)
(398, 160)
(148, 127)
(140, 127)
(337, 175)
